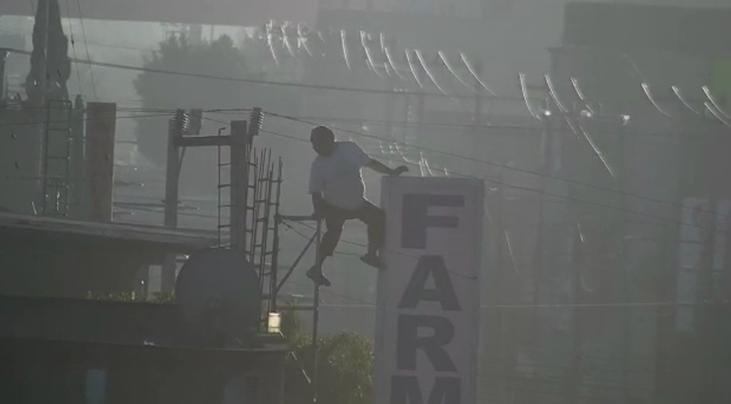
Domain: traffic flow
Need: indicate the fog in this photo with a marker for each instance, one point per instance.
(599, 129)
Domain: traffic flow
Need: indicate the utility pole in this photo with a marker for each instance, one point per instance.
(3, 60)
(575, 379)
(538, 255)
(667, 267)
(240, 152)
(577, 262)
(706, 299)
(172, 183)
(316, 322)
(501, 344)
(627, 314)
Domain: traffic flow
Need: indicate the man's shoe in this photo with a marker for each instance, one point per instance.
(372, 260)
(315, 274)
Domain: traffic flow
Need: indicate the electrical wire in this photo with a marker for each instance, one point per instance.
(554, 94)
(285, 40)
(412, 67)
(579, 130)
(486, 162)
(404, 254)
(679, 95)
(717, 113)
(447, 64)
(270, 41)
(519, 306)
(527, 129)
(526, 97)
(473, 72)
(427, 70)
(389, 58)
(648, 93)
(276, 83)
(502, 166)
(65, 121)
(370, 62)
(302, 39)
(709, 95)
(579, 93)
(344, 45)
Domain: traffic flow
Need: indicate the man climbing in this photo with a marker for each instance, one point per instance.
(338, 194)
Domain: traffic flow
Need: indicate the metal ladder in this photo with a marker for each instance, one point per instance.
(56, 168)
(224, 224)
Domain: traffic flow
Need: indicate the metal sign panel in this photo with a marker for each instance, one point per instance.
(427, 317)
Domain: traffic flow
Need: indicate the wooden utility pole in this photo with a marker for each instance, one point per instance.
(3, 60)
(627, 314)
(316, 321)
(706, 300)
(240, 152)
(575, 379)
(502, 344)
(538, 255)
(100, 134)
(172, 183)
(667, 267)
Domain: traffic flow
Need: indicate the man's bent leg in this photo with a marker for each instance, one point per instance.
(334, 221)
(375, 218)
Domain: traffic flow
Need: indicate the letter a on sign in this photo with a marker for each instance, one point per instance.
(427, 318)
(430, 266)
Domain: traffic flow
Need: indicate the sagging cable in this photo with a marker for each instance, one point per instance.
(473, 72)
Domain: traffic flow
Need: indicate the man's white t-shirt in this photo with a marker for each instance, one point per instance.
(338, 176)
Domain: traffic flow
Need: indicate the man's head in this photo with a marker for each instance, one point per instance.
(323, 140)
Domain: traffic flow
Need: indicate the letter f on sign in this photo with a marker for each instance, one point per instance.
(415, 217)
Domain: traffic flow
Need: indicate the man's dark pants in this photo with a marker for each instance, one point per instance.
(335, 218)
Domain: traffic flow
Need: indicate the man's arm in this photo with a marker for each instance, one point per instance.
(379, 167)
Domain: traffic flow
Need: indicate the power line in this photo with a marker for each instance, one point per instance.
(559, 198)
(491, 163)
(271, 82)
(98, 44)
(64, 121)
(572, 306)
(355, 243)
(519, 306)
(305, 237)
(494, 164)
(660, 221)
(409, 124)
